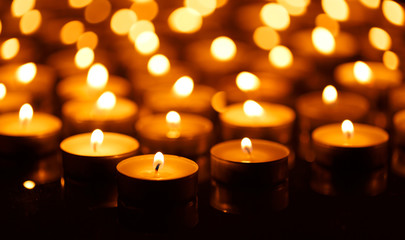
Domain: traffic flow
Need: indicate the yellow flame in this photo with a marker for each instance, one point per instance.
(246, 145)
(122, 20)
(79, 3)
(147, 43)
(379, 38)
(275, 15)
(362, 72)
(87, 39)
(71, 31)
(323, 20)
(10, 48)
(252, 109)
(185, 20)
(97, 76)
(97, 11)
(96, 139)
(158, 65)
(204, 7)
(20, 7)
(336, 9)
(323, 40)
(30, 22)
(393, 12)
(329, 94)
(26, 113)
(223, 48)
(173, 119)
(29, 184)
(247, 81)
(3, 91)
(347, 128)
(106, 101)
(281, 57)
(145, 9)
(373, 4)
(183, 87)
(295, 7)
(84, 57)
(140, 27)
(158, 161)
(26, 72)
(266, 37)
(391, 60)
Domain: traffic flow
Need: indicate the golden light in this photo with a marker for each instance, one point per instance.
(97, 11)
(96, 139)
(373, 4)
(97, 76)
(10, 48)
(379, 38)
(106, 101)
(295, 7)
(323, 20)
(140, 27)
(1, 26)
(391, 60)
(347, 128)
(336, 9)
(29, 184)
(122, 20)
(247, 81)
(3, 91)
(147, 43)
(84, 58)
(183, 87)
(87, 39)
(158, 161)
(26, 113)
(223, 48)
(275, 15)
(281, 57)
(20, 7)
(79, 3)
(266, 37)
(26, 72)
(393, 12)
(173, 121)
(252, 109)
(185, 20)
(329, 94)
(30, 22)
(145, 9)
(204, 7)
(218, 101)
(158, 65)
(323, 40)
(362, 72)
(71, 31)
(246, 145)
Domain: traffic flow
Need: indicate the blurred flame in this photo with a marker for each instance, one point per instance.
(87, 39)
(147, 43)
(323, 40)
(336, 9)
(247, 81)
(97, 76)
(26, 113)
(145, 9)
(140, 27)
(10, 48)
(71, 32)
(329, 94)
(347, 128)
(275, 15)
(173, 123)
(204, 7)
(185, 20)
(3, 91)
(96, 139)
(20, 7)
(183, 87)
(266, 37)
(122, 20)
(30, 22)
(246, 145)
(26, 72)
(323, 20)
(391, 60)
(84, 57)
(106, 101)
(379, 38)
(362, 72)
(79, 3)
(158, 65)
(252, 109)
(29, 184)
(393, 12)
(97, 11)
(281, 57)
(223, 48)
(158, 161)
(374, 4)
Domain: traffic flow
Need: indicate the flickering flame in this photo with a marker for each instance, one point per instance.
(158, 65)
(336, 9)
(204, 7)
(347, 128)
(252, 109)
(247, 81)
(122, 20)
(362, 72)
(30, 22)
(323, 40)
(185, 20)
(393, 12)
(379, 38)
(71, 31)
(371, 3)
(323, 20)
(20, 7)
(25, 114)
(329, 94)
(147, 43)
(140, 27)
(97, 76)
(87, 39)
(266, 37)
(281, 57)
(275, 15)
(246, 145)
(29, 184)
(79, 3)
(10, 48)
(96, 139)
(173, 119)
(183, 87)
(3, 91)
(26, 72)
(97, 11)
(158, 161)
(106, 101)
(391, 60)
(223, 48)
(145, 9)
(84, 58)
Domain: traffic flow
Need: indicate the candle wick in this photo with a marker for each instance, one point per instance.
(157, 167)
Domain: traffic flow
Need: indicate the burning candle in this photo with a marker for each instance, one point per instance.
(12, 101)
(26, 133)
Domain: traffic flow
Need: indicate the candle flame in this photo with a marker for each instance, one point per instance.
(29, 184)
(10, 48)
(79, 3)
(275, 16)
(26, 72)
(25, 114)
(183, 87)
(393, 12)
(147, 42)
(247, 81)
(122, 20)
(281, 57)
(97, 76)
(347, 128)
(106, 101)
(336, 9)
(158, 161)
(205, 8)
(158, 65)
(84, 57)
(185, 20)
(71, 31)
(246, 145)
(96, 139)
(252, 109)
(391, 60)
(379, 38)
(373, 4)
(30, 22)
(329, 94)
(3, 91)
(223, 48)
(323, 40)
(362, 72)
(173, 121)
(20, 7)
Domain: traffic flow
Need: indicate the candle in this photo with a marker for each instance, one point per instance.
(26, 133)
(184, 135)
(158, 192)
(249, 175)
(12, 101)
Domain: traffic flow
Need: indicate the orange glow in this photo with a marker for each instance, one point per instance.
(106, 101)
(158, 65)
(247, 81)
(185, 20)
(158, 161)
(29, 184)
(87, 39)
(295, 7)
(147, 43)
(391, 60)
(122, 20)
(3, 91)
(30, 22)
(246, 145)
(252, 109)
(347, 128)
(79, 3)
(173, 121)
(97, 76)
(84, 58)
(393, 12)
(374, 4)
(266, 37)
(10, 48)
(379, 38)
(323, 40)
(20, 7)
(323, 20)
(145, 9)
(25, 115)
(204, 7)
(275, 15)
(71, 31)
(183, 87)
(281, 57)
(140, 27)
(96, 139)
(97, 11)
(362, 72)
(329, 94)
(223, 48)
(26, 72)
(336, 9)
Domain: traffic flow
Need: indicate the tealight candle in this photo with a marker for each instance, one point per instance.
(158, 192)
(184, 135)
(249, 175)
(12, 101)
(26, 133)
